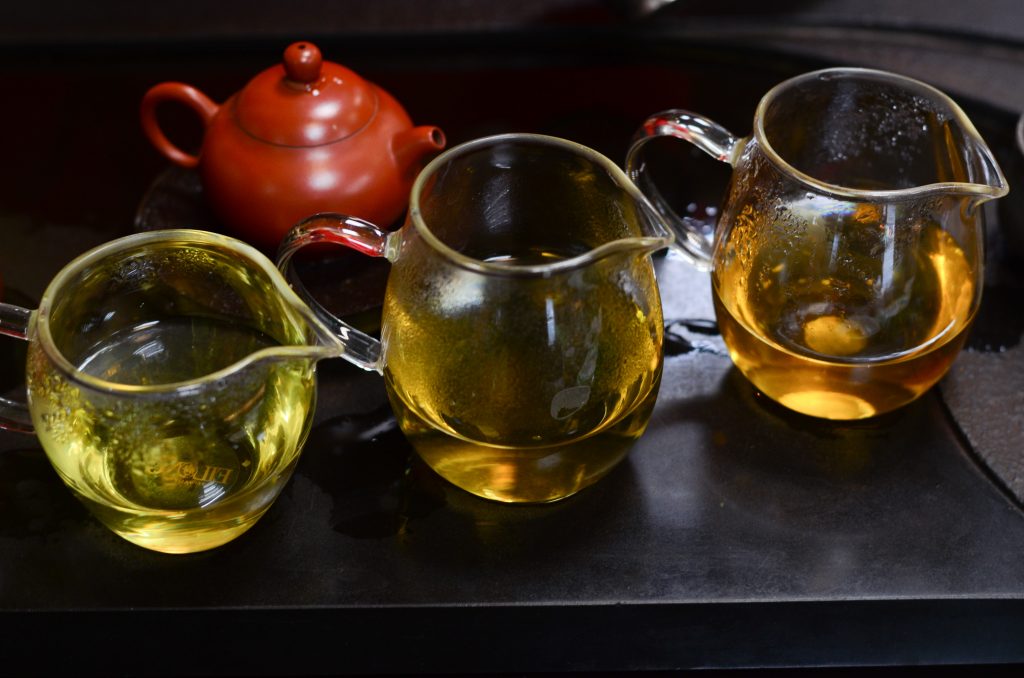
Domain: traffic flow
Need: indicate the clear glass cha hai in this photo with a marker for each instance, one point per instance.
(847, 259)
(171, 383)
(521, 340)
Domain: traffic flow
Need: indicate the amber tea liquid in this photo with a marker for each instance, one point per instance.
(872, 335)
(534, 396)
(177, 478)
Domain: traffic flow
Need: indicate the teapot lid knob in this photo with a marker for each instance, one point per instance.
(305, 100)
(302, 62)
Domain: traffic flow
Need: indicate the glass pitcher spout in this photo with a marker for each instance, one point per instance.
(614, 217)
(985, 179)
(628, 248)
(963, 164)
(655, 231)
(888, 138)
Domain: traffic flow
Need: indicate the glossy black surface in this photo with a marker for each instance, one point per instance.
(736, 534)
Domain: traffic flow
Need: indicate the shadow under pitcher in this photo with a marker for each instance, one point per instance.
(847, 259)
(521, 337)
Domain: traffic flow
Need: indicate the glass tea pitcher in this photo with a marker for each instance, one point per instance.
(847, 259)
(521, 340)
(171, 382)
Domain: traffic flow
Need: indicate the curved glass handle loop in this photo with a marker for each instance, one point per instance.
(706, 135)
(14, 322)
(360, 349)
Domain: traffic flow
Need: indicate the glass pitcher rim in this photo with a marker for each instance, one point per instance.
(662, 238)
(41, 315)
(957, 187)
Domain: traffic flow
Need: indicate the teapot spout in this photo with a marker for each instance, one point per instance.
(412, 146)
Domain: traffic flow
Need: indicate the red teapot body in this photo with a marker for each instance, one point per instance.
(302, 137)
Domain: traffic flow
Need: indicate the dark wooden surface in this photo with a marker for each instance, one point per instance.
(735, 535)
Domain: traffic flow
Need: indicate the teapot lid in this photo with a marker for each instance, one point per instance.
(305, 101)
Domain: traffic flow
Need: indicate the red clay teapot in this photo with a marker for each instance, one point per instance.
(302, 137)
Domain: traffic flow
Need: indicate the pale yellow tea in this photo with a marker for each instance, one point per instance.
(876, 331)
(524, 393)
(176, 475)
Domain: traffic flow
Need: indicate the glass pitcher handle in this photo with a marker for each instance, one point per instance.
(14, 322)
(361, 349)
(706, 135)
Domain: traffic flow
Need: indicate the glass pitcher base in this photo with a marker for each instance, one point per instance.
(842, 392)
(524, 475)
(828, 405)
(182, 532)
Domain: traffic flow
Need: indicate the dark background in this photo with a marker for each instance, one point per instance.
(737, 535)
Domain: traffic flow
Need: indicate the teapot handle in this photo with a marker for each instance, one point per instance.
(14, 322)
(360, 349)
(182, 93)
(706, 135)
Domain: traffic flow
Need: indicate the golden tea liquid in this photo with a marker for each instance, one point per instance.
(524, 392)
(176, 475)
(871, 335)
